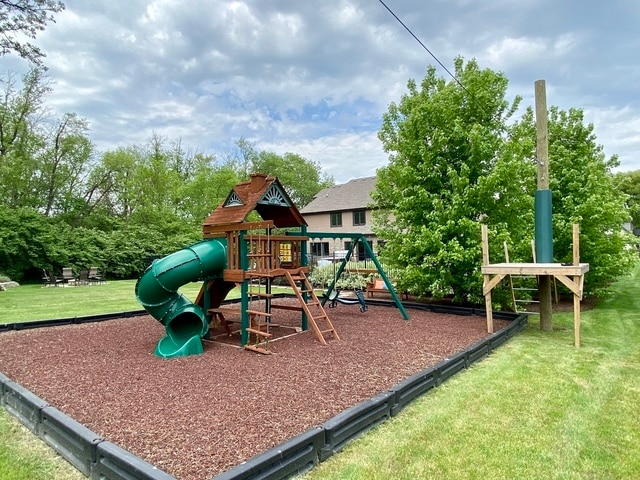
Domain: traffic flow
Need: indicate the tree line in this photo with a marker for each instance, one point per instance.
(62, 203)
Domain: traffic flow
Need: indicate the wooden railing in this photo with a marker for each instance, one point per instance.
(265, 253)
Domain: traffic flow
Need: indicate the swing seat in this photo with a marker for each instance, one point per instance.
(334, 298)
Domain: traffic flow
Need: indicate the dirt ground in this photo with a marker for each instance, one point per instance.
(197, 416)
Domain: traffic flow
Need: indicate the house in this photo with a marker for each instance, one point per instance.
(343, 208)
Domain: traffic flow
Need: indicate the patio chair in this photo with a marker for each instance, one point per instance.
(68, 277)
(83, 277)
(94, 276)
(46, 279)
(49, 279)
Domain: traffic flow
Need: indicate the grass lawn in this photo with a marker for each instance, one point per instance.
(23, 456)
(536, 408)
(34, 302)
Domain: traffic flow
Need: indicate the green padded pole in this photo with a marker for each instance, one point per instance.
(543, 227)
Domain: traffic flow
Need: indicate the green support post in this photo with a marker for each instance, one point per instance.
(244, 292)
(392, 291)
(356, 237)
(304, 260)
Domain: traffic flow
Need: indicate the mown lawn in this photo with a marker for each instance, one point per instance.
(34, 302)
(536, 408)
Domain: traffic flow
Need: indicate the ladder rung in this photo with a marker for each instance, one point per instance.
(527, 301)
(524, 289)
(257, 255)
(327, 331)
(260, 294)
(257, 312)
(264, 351)
(259, 332)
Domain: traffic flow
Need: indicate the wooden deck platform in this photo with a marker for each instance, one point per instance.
(571, 276)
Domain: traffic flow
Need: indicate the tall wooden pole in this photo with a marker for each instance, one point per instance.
(542, 156)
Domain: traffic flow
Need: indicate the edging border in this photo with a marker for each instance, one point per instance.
(100, 459)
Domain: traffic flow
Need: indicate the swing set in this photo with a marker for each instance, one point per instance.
(332, 294)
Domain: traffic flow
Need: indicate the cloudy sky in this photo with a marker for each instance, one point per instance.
(315, 77)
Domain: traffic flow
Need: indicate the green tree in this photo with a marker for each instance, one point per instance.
(63, 166)
(629, 183)
(584, 191)
(43, 161)
(443, 140)
(20, 19)
(301, 178)
(20, 138)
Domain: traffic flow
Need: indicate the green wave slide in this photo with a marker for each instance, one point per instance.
(157, 290)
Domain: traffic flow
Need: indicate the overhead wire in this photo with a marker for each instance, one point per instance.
(431, 53)
(422, 44)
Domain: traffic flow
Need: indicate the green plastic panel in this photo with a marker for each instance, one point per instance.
(543, 226)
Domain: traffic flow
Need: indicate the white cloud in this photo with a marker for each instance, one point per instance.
(315, 77)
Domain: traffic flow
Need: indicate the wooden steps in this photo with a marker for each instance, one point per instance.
(312, 307)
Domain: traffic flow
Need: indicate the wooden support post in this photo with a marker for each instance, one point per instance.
(542, 157)
(487, 279)
(579, 281)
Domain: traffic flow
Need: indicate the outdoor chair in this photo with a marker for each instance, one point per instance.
(46, 279)
(83, 277)
(94, 276)
(49, 279)
(68, 277)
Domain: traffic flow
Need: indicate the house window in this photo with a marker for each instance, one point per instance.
(359, 217)
(320, 249)
(336, 219)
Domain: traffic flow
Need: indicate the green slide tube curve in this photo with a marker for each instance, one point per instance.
(157, 292)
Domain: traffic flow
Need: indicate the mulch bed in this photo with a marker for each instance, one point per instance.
(197, 416)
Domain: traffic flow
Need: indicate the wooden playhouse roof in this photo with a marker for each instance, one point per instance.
(261, 193)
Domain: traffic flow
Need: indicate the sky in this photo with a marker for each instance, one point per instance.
(315, 77)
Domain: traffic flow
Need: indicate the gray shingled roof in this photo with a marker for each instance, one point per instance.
(353, 195)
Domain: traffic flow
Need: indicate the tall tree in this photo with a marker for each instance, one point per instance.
(585, 192)
(64, 165)
(443, 140)
(302, 178)
(43, 160)
(21, 112)
(456, 162)
(21, 19)
(629, 183)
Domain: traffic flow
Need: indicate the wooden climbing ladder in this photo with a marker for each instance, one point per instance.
(260, 271)
(260, 320)
(316, 315)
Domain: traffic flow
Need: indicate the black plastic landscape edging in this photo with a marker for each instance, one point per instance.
(102, 460)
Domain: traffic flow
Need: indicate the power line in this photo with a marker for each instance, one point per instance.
(471, 96)
(424, 46)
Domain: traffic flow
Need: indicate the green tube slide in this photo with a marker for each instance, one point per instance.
(157, 291)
